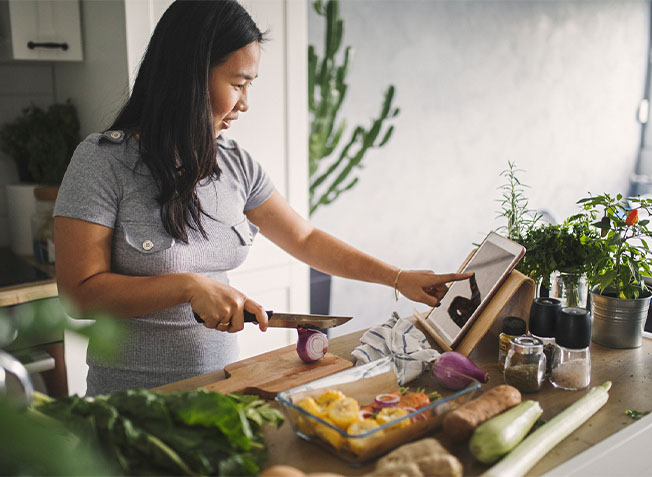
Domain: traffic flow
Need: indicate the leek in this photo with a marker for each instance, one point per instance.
(540, 442)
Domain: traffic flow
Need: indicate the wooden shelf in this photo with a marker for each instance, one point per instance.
(18, 294)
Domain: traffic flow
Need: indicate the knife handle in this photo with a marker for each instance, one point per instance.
(248, 316)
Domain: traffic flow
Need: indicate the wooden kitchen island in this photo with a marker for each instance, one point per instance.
(630, 372)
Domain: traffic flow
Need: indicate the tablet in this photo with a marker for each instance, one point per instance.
(492, 263)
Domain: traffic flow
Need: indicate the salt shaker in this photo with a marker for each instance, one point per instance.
(543, 315)
(525, 365)
(571, 362)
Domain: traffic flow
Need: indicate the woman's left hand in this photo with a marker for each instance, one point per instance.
(426, 286)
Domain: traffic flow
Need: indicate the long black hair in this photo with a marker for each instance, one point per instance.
(169, 109)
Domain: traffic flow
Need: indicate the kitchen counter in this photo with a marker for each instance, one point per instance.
(23, 279)
(630, 372)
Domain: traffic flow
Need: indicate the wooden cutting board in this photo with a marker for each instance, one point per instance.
(270, 373)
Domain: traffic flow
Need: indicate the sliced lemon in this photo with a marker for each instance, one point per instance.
(309, 405)
(390, 414)
(361, 445)
(330, 435)
(343, 412)
(328, 397)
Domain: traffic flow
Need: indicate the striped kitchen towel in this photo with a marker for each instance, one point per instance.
(399, 338)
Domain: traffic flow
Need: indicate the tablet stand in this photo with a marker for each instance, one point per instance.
(513, 298)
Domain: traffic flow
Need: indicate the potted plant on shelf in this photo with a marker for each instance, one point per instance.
(620, 298)
(41, 143)
(332, 159)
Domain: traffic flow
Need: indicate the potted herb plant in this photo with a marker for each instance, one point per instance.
(559, 257)
(41, 143)
(620, 298)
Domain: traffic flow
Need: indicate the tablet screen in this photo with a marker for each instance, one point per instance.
(490, 264)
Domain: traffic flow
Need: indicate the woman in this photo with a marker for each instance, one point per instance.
(153, 212)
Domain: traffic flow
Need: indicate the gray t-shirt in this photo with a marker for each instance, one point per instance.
(107, 183)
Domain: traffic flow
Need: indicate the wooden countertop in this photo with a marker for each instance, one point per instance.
(630, 371)
(38, 289)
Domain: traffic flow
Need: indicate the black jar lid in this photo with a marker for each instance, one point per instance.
(573, 328)
(543, 315)
(512, 325)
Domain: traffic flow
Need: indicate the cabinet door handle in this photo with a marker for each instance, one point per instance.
(31, 45)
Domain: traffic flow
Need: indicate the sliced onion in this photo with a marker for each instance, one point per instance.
(312, 345)
(416, 417)
(387, 400)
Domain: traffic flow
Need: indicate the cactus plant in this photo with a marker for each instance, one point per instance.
(330, 167)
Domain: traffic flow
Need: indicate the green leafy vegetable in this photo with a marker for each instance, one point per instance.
(185, 433)
(636, 415)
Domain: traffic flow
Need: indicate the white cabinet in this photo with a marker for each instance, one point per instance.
(42, 30)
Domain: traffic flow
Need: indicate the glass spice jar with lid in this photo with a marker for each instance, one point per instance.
(525, 365)
(42, 224)
(543, 316)
(512, 327)
(571, 363)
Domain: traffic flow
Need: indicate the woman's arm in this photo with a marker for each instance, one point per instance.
(83, 269)
(286, 228)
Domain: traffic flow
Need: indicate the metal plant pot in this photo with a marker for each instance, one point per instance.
(617, 322)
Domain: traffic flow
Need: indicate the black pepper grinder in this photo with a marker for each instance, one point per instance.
(543, 316)
(571, 363)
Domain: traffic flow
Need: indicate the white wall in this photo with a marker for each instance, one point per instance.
(551, 85)
(98, 86)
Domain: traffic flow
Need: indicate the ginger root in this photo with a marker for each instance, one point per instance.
(422, 458)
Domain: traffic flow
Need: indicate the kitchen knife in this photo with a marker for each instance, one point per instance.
(293, 320)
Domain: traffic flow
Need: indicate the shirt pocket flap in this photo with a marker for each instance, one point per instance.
(147, 238)
(246, 231)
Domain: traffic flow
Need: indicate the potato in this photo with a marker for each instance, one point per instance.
(460, 423)
(282, 471)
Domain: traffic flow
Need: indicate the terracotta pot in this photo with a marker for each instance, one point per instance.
(46, 193)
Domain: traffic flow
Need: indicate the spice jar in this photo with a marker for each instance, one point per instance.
(543, 315)
(512, 327)
(525, 365)
(43, 224)
(571, 363)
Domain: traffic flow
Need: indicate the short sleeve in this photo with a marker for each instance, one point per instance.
(90, 189)
(259, 184)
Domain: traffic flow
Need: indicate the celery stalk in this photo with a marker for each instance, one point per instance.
(540, 442)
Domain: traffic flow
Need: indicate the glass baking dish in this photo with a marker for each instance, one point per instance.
(364, 383)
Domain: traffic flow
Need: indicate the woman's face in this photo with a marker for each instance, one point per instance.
(228, 85)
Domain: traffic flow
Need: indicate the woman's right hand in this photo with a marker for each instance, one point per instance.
(222, 306)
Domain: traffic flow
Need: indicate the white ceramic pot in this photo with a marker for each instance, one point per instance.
(21, 205)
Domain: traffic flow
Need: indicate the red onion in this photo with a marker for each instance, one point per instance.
(387, 400)
(312, 345)
(417, 417)
(452, 370)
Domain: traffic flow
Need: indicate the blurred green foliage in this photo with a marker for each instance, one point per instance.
(30, 443)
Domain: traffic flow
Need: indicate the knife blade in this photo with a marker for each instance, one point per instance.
(293, 320)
